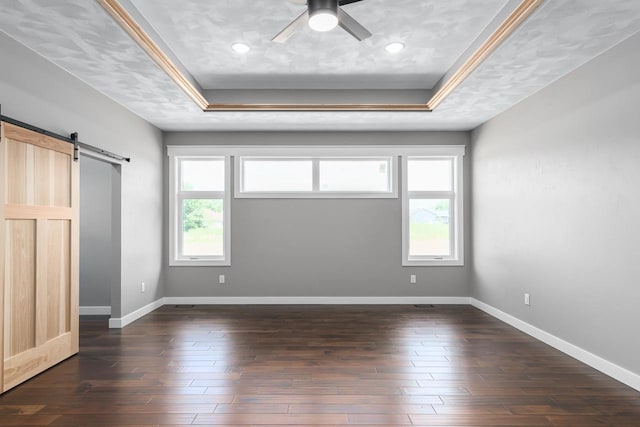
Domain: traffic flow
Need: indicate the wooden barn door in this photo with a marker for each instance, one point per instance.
(38, 253)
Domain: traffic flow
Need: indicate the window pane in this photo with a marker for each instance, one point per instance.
(354, 175)
(277, 175)
(202, 227)
(429, 227)
(202, 175)
(430, 175)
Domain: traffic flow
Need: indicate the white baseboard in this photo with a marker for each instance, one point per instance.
(94, 310)
(314, 300)
(121, 322)
(611, 369)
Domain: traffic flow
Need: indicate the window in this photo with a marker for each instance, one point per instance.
(365, 175)
(286, 175)
(316, 177)
(432, 210)
(199, 210)
(431, 199)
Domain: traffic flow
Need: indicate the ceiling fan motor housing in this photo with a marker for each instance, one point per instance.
(318, 6)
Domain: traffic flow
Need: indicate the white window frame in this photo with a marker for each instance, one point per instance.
(316, 192)
(456, 217)
(176, 197)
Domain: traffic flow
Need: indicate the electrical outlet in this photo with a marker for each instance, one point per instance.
(413, 279)
(142, 287)
(527, 299)
(221, 279)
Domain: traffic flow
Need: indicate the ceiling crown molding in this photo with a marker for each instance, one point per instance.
(510, 24)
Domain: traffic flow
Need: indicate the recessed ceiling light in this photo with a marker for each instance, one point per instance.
(241, 48)
(394, 47)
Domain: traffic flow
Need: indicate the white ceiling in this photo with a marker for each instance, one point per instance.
(81, 38)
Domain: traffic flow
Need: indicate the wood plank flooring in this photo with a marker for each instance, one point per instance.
(318, 365)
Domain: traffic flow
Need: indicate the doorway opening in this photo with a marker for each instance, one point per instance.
(100, 236)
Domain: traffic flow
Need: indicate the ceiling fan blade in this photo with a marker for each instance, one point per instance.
(352, 26)
(290, 29)
(343, 2)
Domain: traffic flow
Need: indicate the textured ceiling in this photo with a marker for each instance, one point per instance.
(82, 39)
(200, 32)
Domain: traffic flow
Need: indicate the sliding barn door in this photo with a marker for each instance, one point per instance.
(38, 253)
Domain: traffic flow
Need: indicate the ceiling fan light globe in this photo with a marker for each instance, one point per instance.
(323, 20)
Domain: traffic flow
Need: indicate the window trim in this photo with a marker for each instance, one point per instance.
(316, 192)
(177, 196)
(456, 218)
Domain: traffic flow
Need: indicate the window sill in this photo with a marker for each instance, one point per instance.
(433, 263)
(199, 263)
(314, 195)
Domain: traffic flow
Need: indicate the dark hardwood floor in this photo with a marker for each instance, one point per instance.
(318, 365)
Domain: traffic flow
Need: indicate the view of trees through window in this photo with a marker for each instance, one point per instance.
(201, 217)
(202, 221)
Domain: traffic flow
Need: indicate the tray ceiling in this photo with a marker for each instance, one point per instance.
(83, 39)
(435, 33)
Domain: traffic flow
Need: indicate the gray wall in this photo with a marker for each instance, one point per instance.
(316, 247)
(556, 208)
(34, 90)
(96, 241)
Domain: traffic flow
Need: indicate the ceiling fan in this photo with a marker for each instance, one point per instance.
(324, 15)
